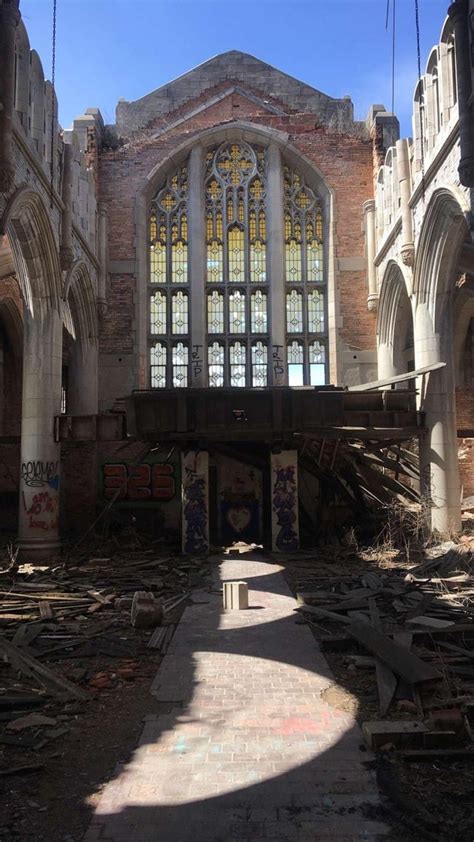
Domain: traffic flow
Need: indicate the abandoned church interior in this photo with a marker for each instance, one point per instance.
(208, 310)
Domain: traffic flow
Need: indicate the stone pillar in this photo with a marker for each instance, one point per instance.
(103, 255)
(459, 14)
(9, 17)
(439, 469)
(284, 485)
(195, 502)
(83, 376)
(276, 267)
(385, 363)
(38, 531)
(369, 211)
(197, 266)
(404, 180)
(66, 252)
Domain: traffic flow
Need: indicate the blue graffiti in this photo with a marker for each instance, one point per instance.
(284, 505)
(195, 514)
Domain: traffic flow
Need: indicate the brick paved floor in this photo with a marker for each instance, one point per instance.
(249, 750)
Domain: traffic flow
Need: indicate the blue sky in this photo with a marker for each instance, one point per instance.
(108, 49)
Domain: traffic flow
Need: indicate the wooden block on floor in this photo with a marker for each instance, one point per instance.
(236, 596)
(401, 734)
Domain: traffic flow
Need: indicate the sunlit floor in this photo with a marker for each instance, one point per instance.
(250, 750)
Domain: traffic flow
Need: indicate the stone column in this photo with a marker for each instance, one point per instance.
(284, 485)
(369, 211)
(195, 502)
(439, 468)
(404, 180)
(459, 14)
(385, 364)
(38, 531)
(66, 252)
(83, 396)
(276, 267)
(103, 255)
(9, 17)
(197, 266)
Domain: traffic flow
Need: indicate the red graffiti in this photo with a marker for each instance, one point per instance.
(43, 502)
(139, 482)
(42, 510)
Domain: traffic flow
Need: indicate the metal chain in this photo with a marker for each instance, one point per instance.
(53, 109)
(421, 110)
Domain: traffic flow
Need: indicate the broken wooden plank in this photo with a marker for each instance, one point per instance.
(400, 661)
(386, 680)
(45, 610)
(322, 612)
(30, 666)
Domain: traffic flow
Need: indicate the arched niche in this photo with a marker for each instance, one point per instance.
(394, 325)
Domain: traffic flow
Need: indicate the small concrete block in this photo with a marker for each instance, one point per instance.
(236, 596)
(450, 719)
(400, 734)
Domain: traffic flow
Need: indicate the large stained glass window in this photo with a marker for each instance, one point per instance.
(305, 282)
(235, 195)
(168, 283)
(236, 287)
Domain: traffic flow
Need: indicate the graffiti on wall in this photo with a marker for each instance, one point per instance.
(139, 483)
(285, 508)
(195, 503)
(40, 496)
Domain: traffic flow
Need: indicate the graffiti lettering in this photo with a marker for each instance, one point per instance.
(139, 482)
(195, 513)
(38, 474)
(277, 360)
(284, 501)
(42, 510)
(196, 360)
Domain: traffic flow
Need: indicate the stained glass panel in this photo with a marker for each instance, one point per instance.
(215, 358)
(258, 312)
(294, 311)
(235, 246)
(158, 313)
(257, 263)
(215, 312)
(293, 261)
(295, 364)
(317, 363)
(237, 312)
(180, 359)
(179, 263)
(158, 263)
(314, 257)
(237, 363)
(214, 262)
(259, 364)
(179, 312)
(158, 366)
(315, 303)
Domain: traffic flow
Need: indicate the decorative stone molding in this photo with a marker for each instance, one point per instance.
(7, 176)
(373, 302)
(407, 253)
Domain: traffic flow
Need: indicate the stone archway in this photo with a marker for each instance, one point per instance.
(35, 255)
(395, 349)
(435, 272)
(80, 320)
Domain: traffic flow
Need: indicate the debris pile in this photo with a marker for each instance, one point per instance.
(69, 632)
(413, 632)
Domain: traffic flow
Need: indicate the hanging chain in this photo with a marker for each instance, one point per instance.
(422, 94)
(53, 109)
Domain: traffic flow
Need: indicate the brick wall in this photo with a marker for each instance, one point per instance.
(344, 160)
(465, 421)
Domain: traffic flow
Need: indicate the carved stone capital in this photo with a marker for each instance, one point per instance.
(373, 302)
(66, 257)
(7, 176)
(408, 254)
(466, 171)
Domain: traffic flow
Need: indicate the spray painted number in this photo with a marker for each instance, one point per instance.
(139, 482)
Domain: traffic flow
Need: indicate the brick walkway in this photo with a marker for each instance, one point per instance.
(249, 750)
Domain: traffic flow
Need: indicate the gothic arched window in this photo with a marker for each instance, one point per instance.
(232, 323)
(305, 282)
(169, 295)
(236, 264)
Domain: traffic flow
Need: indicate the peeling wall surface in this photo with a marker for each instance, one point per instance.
(235, 227)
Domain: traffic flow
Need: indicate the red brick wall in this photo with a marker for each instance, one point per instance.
(78, 486)
(345, 162)
(465, 421)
